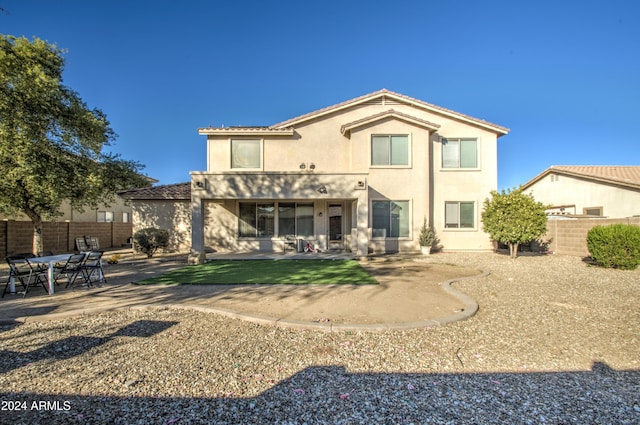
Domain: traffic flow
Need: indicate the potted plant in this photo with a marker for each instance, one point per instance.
(427, 238)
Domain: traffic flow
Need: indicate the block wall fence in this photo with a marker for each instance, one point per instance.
(60, 237)
(569, 237)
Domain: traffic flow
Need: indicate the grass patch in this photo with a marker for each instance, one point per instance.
(292, 272)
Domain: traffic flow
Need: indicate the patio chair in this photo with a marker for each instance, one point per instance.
(81, 245)
(24, 273)
(39, 273)
(19, 272)
(70, 270)
(91, 266)
(93, 243)
(289, 242)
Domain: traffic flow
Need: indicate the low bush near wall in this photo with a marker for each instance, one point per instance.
(149, 240)
(616, 245)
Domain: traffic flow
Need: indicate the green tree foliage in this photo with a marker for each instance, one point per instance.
(615, 246)
(51, 143)
(149, 240)
(513, 217)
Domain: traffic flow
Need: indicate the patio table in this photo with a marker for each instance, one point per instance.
(51, 261)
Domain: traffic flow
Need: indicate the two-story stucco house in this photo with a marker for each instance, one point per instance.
(361, 175)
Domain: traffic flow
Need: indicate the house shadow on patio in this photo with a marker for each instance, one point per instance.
(331, 394)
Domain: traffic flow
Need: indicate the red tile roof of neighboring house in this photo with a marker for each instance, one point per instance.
(178, 191)
(623, 175)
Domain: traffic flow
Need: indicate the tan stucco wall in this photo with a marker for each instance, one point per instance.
(423, 183)
(617, 202)
(396, 183)
(174, 216)
(221, 212)
(465, 186)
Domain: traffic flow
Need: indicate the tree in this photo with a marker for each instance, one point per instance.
(51, 143)
(513, 217)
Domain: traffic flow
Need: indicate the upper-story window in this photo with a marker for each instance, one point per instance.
(246, 154)
(105, 216)
(390, 150)
(460, 153)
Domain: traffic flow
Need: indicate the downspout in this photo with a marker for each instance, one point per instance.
(431, 165)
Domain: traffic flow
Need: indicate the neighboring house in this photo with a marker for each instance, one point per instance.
(118, 211)
(590, 191)
(165, 207)
(360, 175)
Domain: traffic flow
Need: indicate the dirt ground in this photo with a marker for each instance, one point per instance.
(409, 291)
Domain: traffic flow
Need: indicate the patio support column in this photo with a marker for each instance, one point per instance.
(197, 256)
(362, 225)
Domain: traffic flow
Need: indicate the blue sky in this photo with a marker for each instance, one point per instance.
(564, 76)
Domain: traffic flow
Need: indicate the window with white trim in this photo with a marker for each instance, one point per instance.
(390, 219)
(126, 217)
(390, 150)
(459, 215)
(460, 153)
(246, 154)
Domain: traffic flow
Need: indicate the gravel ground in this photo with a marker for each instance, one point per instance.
(555, 341)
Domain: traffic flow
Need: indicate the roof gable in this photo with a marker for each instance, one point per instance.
(627, 176)
(346, 128)
(386, 97)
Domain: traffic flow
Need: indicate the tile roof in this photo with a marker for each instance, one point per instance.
(624, 175)
(384, 93)
(244, 131)
(178, 191)
(385, 96)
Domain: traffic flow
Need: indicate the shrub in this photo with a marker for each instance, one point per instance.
(616, 245)
(150, 239)
(427, 236)
(513, 217)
